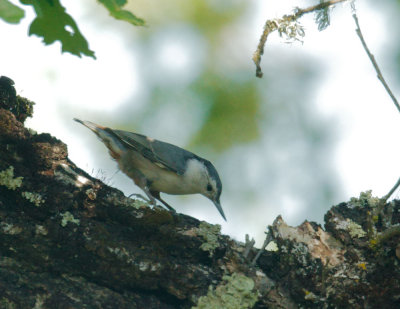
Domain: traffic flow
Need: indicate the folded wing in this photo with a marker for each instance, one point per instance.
(163, 154)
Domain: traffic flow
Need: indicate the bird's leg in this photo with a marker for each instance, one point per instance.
(144, 184)
(156, 194)
(150, 196)
(137, 195)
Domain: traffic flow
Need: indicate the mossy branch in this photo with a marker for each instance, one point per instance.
(289, 26)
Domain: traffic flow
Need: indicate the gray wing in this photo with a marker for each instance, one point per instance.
(163, 154)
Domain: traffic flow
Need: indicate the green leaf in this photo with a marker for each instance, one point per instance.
(10, 13)
(114, 7)
(121, 3)
(54, 24)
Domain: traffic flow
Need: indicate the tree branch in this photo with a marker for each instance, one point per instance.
(288, 22)
(373, 61)
(383, 81)
(395, 187)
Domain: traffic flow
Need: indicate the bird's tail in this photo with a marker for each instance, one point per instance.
(107, 136)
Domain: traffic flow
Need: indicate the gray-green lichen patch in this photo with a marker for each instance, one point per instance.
(148, 266)
(7, 179)
(137, 203)
(272, 246)
(122, 254)
(236, 292)
(68, 217)
(41, 230)
(10, 229)
(355, 230)
(91, 194)
(34, 198)
(118, 199)
(365, 199)
(210, 234)
(310, 296)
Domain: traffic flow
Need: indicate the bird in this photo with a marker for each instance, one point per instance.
(159, 167)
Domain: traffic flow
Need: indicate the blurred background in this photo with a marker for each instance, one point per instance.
(317, 129)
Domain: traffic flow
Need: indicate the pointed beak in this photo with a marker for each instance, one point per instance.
(218, 205)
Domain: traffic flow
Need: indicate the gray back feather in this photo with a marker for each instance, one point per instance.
(163, 154)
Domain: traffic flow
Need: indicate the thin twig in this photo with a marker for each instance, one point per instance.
(267, 240)
(383, 81)
(395, 187)
(248, 245)
(317, 7)
(272, 25)
(372, 58)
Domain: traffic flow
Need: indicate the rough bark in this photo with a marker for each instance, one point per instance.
(69, 241)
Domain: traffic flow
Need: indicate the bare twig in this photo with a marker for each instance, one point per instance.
(317, 7)
(395, 187)
(267, 240)
(383, 81)
(248, 245)
(273, 25)
(372, 58)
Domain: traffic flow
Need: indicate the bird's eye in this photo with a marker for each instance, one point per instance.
(209, 188)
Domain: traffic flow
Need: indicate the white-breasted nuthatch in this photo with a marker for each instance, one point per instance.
(157, 166)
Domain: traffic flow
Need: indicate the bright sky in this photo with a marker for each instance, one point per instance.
(368, 152)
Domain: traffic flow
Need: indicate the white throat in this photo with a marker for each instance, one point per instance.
(196, 174)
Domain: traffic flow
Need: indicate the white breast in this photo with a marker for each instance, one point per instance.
(194, 180)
